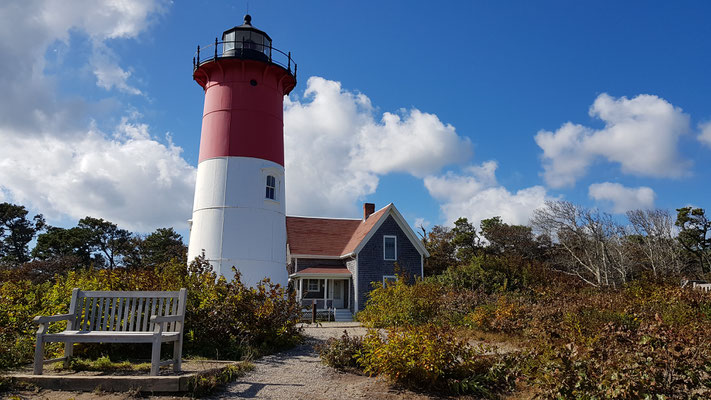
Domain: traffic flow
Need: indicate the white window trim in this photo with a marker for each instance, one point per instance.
(318, 286)
(385, 237)
(275, 188)
(278, 178)
(392, 277)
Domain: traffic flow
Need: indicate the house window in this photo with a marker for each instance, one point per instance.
(388, 279)
(271, 187)
(313, 285)
(390, 248)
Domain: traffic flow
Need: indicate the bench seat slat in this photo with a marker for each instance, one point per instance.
(108, 337)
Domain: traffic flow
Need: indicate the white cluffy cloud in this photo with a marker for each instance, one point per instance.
(640, 134)
(476, 195)
(127, 177)
(623, 198)
(27, 30)
(51, 158)
(705, 135)
(337, 146)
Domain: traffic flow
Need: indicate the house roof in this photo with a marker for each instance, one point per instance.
(331, 237)
(328, 237)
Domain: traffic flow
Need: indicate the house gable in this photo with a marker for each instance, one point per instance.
(372, 266)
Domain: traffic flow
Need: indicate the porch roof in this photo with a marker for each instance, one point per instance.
(322, 272)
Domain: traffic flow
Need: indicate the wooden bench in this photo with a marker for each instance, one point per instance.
(118, 317)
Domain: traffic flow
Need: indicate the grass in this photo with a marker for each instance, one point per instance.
(103, 364)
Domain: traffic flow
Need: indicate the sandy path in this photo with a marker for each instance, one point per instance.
(299, 374)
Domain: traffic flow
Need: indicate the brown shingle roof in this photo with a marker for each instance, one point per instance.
(328, 236)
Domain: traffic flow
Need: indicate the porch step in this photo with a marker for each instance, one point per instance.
(343, 315)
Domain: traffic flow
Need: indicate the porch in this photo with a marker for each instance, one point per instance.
(329, 288)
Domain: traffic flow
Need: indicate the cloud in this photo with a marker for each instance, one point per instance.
(127, 177)
(27, 30)
(476, 195)
(108, 73)
(623, 198)
(705, 135)
(53, 157)
(421, 223)
(640, 134)
(337, 146)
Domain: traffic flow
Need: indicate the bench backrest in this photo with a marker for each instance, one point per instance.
(124, 311)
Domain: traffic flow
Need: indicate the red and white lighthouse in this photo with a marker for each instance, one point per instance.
(239, 209)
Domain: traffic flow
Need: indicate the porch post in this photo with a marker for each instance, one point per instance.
(325, 293)
(301, 289)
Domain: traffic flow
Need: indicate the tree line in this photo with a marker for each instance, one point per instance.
(594, 247)
(93, 242)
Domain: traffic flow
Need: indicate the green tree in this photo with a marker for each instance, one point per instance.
(16, 232)
(466, 240)
(59, 243)
(107, 239)
(438, 243)
(695, 235)
(507, 240)
(160, 247)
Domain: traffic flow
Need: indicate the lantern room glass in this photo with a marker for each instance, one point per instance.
(245, 39)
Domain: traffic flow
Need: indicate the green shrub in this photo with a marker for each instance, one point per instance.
(400, 303)
(340, 353)
(224, 320)
(431, 357)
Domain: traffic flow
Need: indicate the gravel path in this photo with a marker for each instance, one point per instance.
(299, 374)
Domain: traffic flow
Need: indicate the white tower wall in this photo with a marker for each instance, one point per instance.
(233, 221)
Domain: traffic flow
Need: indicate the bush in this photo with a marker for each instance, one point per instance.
(653, 363)
(430, 357)
(341, 353)
(399, 304)
(224, 320)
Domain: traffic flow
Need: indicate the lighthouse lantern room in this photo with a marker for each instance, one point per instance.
(239, 209)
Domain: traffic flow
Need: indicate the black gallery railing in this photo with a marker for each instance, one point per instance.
(245, 49)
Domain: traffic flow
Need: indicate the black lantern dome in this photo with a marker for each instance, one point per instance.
(246, 41)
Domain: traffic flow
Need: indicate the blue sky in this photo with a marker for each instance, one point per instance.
(450, 109)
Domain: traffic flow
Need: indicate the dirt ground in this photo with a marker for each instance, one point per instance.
(294, 374)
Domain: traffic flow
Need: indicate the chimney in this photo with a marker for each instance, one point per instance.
(368, 208)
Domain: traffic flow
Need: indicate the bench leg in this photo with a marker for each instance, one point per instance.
(68, 353)
(155, 358)
(177, 355)
(39, 355)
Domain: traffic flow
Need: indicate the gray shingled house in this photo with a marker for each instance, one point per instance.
(333, 261)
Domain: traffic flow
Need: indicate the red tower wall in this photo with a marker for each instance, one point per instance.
(239, 118)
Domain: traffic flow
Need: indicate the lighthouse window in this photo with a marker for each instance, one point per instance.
(271, 187)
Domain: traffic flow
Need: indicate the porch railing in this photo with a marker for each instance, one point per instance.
(321, 304)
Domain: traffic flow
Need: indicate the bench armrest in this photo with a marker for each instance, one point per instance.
(157, 319)
(41, 319)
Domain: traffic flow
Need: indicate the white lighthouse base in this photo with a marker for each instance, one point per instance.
(235, 224)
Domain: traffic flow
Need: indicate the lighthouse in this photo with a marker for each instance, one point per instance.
(238, 217)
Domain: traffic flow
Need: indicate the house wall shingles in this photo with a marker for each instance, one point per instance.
(371, 265)
(352, 265)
